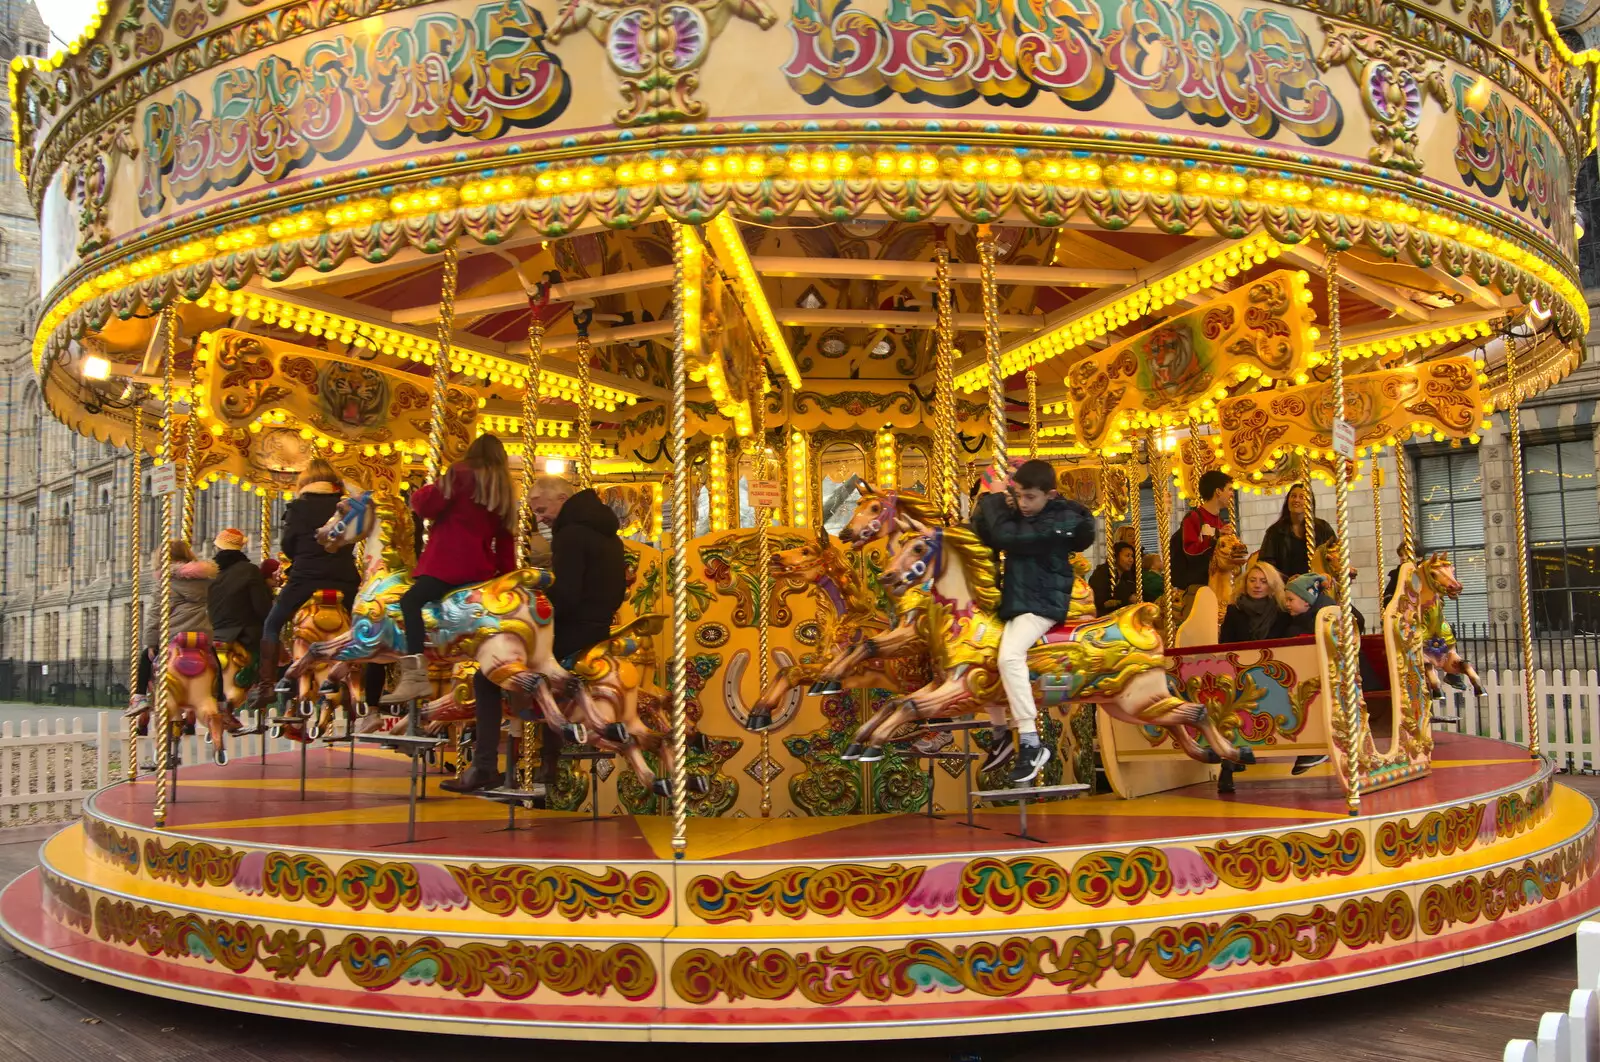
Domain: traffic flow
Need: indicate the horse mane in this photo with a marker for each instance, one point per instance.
(399, 543)
(919, 508)
(978, 559)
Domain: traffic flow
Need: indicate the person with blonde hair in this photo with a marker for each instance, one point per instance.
(470, 512)
(311, 566)
(1257, 614)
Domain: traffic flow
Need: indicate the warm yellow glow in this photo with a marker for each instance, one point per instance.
(799, 485)
(555, 466)
(888, 470)
(1151, 297)
(717, 484)
(730, 251)
(1421, 339)
(96, 368)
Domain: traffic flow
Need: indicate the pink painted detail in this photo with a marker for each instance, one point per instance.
(1066, 631)
(190, 654)
(1190, 872)
(937, 890)
(1487, 827)
(438, 888)
(250, 875)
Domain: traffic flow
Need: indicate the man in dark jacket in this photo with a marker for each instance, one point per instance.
(239, 599)
(1038, 531)
(590, 582)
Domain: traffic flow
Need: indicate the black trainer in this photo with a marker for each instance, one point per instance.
(1031, 759)
(1001, 749)
(1302, 764)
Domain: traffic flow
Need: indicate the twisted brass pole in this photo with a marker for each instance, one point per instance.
(266, 527)
(1519, 497)
(991, 351)
(1033, 414)
(161, 718)
(1161, 489)
(525, 522)
(1402, 481)
(191, 423)
(1377, 527)
(763, 592)
(678, 673)
(944, 406)
(583, 469)
(1136, 519)
(439, 408)
(1349, 706)
(135, 602)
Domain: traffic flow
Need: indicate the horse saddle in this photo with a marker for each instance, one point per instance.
(322, 615)
(1065, 631)
(189, 654)
(623, 642)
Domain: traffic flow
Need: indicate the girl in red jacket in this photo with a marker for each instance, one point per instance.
(471, 511)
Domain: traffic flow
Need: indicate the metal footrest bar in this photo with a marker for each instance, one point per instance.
(1022, 796)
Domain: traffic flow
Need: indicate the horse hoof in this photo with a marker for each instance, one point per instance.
(207, 737)
(661, 787)
(362, 710)
(328, 688)
(1247, 755)
(304, 708)
(1210, 756)
(696, 742)
(871, 754)
(699, 785)
(313, 731)
(758, 721)
(220, 757)
(274, 731)
(616, 732)
(824, 687)
(574, 734)
(852, 752)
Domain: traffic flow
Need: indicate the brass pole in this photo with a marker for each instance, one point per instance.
(1161, 490)
(266, 527)
(135, 603)
(191, 423)
(441, 365)
(1519, 496)
(678, 674)
(161, 719)
(1402, 481)
(1135, 518)
(526, 526)
(944, 406)
(1033, 414)
(583, 468)
(991, 350)
(1349, 678)
(763, 591)
(1377, 528)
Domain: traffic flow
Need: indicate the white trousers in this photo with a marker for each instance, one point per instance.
(1015, 641)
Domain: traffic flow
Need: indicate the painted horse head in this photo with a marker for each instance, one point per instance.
(350, 523)
(1229, 555)
(917, 563)
(1439, 575)
(805, 561)
(876, 516)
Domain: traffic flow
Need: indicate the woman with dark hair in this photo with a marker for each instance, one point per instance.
(1284, 544)
(1114, 583)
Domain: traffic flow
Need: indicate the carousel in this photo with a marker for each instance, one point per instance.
(783, 301)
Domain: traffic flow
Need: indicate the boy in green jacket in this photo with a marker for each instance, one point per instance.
(1038, 531)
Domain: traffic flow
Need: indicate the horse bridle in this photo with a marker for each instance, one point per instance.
(925, 569)
(357, 506)
(888, 514)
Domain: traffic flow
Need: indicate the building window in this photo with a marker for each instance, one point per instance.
(1563, 535)
(1450, 519)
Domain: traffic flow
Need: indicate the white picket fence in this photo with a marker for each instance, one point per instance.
(1569, 718)
(47, 768)
(1573, 1036)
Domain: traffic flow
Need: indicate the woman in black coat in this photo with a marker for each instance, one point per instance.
(1284, 544)
(1111, 593)
(311, 567)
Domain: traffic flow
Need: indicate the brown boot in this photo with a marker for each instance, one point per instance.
(473, 779)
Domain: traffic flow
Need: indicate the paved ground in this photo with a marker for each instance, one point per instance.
(1464, 1015)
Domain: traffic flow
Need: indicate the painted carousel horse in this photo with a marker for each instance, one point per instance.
(849, 615)
(504, 624)
(1115, 662)
(1228, 562)
(190, 679)
(1439, 654)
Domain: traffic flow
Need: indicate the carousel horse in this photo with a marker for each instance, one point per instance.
(318, 620)
(190, 679)
(504, 624)
(1228, 562)
(849, 615)
(1115, 662)
(1439, 655)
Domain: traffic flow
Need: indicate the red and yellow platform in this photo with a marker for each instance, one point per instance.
(798, 928)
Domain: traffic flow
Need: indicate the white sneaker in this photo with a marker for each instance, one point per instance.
(413, 682)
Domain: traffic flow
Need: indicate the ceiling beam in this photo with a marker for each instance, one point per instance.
(580, 290)
(920, 319)
(1375, 292)
(1191, 254)
(600, 337)
(1471, 289)
(346, 308)
(960, 272)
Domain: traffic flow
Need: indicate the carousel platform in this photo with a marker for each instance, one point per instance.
(797, 928)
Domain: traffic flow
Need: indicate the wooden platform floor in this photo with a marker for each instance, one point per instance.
(1463, 1015)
